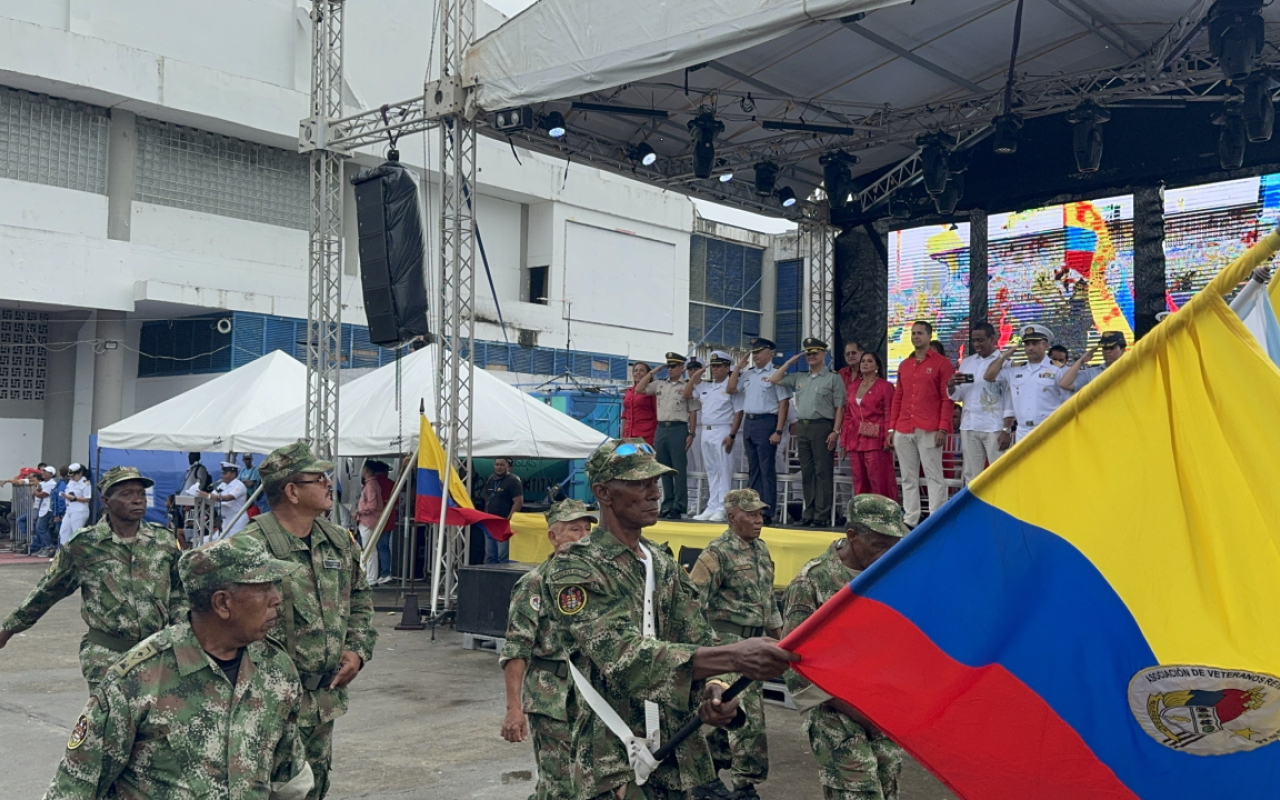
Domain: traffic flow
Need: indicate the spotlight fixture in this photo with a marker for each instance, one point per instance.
(1005, 139)
(726, 171)
(787, 196)
(766, 178)
(1233, 139)
(837, 179)
(1236, 36)
(704, 127)
(948, 199)
(900, 209)
(513, 119)
(725, 177)
(1259, 108)
(1086, 134)
(642, 153)
(933, 161)
(631, 111)
(553, 124)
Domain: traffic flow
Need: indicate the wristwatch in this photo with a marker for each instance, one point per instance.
(778, 432)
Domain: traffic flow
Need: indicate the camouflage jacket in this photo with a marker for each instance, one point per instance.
(129, 589)
(166, 723)
(596, 590)
(735, 581)
(532, 633)
(328, 608)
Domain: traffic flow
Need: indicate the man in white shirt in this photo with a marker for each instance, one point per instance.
(44, 508)
(721, 416)
(1032, 387)
(982, 433)
(231, 495)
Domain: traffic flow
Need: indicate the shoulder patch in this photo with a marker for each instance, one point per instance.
(571, 600)
(79, 733)
(570, 573)
(135, 657)
(536, 602)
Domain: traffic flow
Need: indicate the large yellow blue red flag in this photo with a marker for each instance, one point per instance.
(430, 488)
(1118, 641)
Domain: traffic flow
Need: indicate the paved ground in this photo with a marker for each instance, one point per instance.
(423, 724)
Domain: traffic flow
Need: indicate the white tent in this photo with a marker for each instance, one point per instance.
(505, 420)
(206, 417)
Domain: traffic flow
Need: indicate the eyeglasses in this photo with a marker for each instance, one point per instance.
(321, 479)
(629, 449)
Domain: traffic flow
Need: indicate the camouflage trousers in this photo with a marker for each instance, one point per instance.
(646, 792)
(743, 751)
(318, 742)
(553, 750)
(851, 766)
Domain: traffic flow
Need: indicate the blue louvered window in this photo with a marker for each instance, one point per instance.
(724, 292)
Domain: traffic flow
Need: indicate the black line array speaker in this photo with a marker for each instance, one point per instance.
(391, 255)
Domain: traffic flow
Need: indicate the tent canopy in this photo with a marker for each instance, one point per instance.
(505, 420)
(208, 416)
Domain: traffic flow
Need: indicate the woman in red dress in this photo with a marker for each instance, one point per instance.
(639, 411)
(865, 434)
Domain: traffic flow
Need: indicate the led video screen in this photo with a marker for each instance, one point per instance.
(929, 280)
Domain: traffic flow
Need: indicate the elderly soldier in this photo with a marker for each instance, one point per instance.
(533, 663)
(127, 574)
(203, 709)
(819, 400)
(734, 576)
(855, 760)
(328, 606)
(764, 407)
(677, 420)
(639, 644)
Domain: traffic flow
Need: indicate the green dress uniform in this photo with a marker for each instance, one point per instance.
(816, 396)
(129, 589)
(851, 764)
(597, 592)
(735, 582)
(166, 723)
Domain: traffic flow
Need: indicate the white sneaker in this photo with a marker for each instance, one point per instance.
(719, 516)
(703, 517)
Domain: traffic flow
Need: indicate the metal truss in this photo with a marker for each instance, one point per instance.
(817, 245)
(455, 328)
(324, 262)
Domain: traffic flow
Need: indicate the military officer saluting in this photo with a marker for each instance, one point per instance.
(819, 401)
(734, 576)
(1033, 387)
(534, 665)
(677, 420)
(126, 571)
(764, 409)
(206, 708)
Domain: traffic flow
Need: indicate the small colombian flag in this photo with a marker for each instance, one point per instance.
(431, 462)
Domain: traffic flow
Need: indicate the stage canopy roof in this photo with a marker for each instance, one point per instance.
(208, 416)
(505, 420)
(873, 75)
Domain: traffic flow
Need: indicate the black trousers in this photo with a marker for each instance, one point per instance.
(668, 443)
(762, 470)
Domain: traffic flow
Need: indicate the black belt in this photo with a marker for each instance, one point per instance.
(815, 421)
(312, 681)
(742, 631)
(763, 416)
(558, 668)
(673, 424)
(115, 643)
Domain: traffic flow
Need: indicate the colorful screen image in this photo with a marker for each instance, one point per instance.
(1067, 267)
(928, 280)
(1206, 227)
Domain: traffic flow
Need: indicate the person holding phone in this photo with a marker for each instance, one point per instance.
(77, 494)
(983, 436)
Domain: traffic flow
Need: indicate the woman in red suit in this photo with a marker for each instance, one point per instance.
(639, 411)
(865, 434)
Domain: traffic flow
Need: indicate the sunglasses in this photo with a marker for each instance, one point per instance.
(321, 479)
(629, 449)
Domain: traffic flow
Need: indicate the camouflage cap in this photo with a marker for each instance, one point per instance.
(568, 511)
(878, 513)
(289, 460)
(624, 460)
(744, 500)
(120, 475)
(239, 559)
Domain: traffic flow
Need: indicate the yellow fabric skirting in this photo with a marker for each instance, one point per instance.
(790, 548)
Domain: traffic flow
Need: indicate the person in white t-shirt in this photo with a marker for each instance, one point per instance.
(78, 494)
(982, 430)
(44, 510)
(231, 495)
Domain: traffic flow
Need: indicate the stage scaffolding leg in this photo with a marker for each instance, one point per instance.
(817, 245)
(455, 319)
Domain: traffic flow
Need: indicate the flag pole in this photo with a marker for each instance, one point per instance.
(411, 466)
(440, 526)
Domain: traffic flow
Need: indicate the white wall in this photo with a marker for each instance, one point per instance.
(21, 438)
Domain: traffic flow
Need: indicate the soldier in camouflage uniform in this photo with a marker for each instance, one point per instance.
(202, 709)
(127, 574)
(855, 760)
(533, 663)
(327, 621)
(734, 576)
(605, 591)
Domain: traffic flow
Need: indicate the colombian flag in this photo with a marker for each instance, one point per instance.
(1118, 640)
(430, 488)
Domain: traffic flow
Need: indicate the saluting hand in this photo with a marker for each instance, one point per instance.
(742, 362)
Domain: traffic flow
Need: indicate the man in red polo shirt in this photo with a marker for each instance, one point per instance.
(920, 420)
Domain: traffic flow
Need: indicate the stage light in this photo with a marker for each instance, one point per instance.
(553, 124)
(513, 119)
(948, 199)
(787, 196)
(1086, 134)
(1259, 108)
(837, 177)
(900, 209)
(1233, 139)
(643, 153)
(933, 161)
(704, 128)
(766, 178)
(1236, 36)
(725, 177)
(1005, 139)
